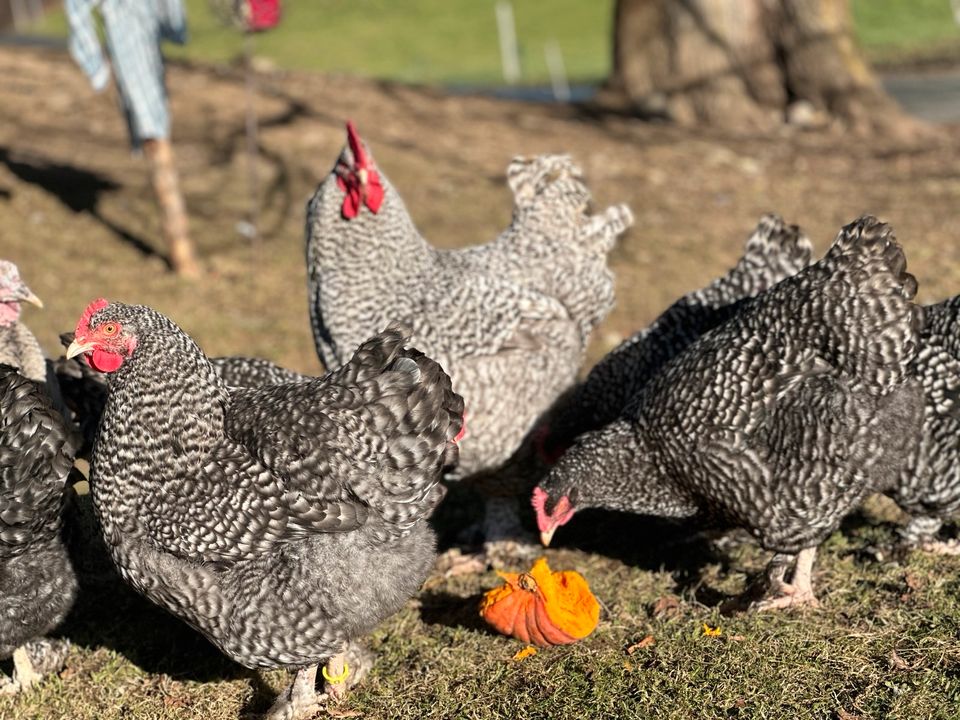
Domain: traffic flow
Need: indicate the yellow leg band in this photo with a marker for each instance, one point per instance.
(339, 678)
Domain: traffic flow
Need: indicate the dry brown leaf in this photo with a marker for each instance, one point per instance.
(666, 606)
(844, 715)
(639, 645)
(898, 662)
(913, 581)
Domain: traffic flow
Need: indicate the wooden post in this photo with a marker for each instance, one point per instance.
(173, 213)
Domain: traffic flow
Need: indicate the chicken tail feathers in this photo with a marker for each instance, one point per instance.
(776, 249)
(868, 303)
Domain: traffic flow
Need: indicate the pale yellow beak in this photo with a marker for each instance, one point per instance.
(78, 348)
(546, 536)
(31, 298)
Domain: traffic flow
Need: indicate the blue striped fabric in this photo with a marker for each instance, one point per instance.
(134, 30)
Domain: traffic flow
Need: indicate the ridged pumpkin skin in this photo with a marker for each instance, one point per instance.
(542, 607)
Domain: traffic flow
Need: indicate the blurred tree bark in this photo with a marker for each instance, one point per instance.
(747, 64)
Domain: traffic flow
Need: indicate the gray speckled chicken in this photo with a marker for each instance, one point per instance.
(282, 522)
(773, 251)
(929, 487)
(509, 320)
(85, 389)
(779, 421)
(37, 582)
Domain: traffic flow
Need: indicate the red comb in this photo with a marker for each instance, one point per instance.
(356, 146)
(83, 324)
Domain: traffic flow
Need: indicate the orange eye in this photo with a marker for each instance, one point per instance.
(109, 329)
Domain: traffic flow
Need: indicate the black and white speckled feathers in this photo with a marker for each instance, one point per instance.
(509, 320)
(929, 488)
(780, 420)
(37, 583)
(773, 251)
(84, 389)
(280, 521)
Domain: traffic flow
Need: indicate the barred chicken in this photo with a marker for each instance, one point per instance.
(509, 320)
(779, 421)
(773, 252)
(282, 522)
(929, 487)
(37, 582)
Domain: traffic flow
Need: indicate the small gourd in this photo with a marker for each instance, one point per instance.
(542, 607)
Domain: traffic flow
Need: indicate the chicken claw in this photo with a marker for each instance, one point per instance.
(797, 592)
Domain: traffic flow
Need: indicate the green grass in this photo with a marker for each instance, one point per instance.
(893, 30)
(455, 41)
(883, 644)
(431, 41)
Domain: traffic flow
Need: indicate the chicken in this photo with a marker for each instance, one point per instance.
(85, 389)
(779, 421)
(773, 251)
(929, 487)
(37, 582)
(508, 320)
(18, 346)
(282, 522)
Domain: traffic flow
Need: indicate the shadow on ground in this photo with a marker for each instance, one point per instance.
(78, 189)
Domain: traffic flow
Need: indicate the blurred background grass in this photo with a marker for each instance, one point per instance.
(455, 41)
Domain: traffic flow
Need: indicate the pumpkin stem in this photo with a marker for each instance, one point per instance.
(528, 583)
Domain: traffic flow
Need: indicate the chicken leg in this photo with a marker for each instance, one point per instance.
(299, 701)
(25, 674)
(799, 591)
(345, 670)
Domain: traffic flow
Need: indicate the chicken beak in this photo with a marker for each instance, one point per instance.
(546, 536)
(25, 294)
(78, 348)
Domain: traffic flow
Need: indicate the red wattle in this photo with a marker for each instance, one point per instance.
(104, 361)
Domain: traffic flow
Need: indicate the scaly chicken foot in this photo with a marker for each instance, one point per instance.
(799, 591)
(921, 532)
(299, 701)
(941, 547)
(8, 686)
(31, 662)
(456, 562)
(24, 673)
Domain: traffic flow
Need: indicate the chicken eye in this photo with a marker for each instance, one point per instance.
(109, 329)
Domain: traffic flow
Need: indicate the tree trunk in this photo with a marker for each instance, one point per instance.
(747, 64)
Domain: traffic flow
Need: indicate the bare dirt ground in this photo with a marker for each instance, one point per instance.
(76, 214)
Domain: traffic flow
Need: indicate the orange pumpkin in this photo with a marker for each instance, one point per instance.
(541, 607)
